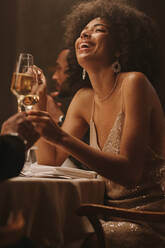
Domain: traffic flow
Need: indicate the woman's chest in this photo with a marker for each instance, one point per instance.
(105, 120)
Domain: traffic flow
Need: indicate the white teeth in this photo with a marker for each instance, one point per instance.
(84, 45)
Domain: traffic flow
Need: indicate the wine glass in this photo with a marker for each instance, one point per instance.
(24, 82)
(24, 86)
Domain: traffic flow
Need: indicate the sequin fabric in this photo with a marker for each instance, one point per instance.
(148, 195)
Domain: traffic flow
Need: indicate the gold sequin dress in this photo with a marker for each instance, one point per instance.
(148, 195)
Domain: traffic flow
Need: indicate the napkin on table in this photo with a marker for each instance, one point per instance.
(36, 170)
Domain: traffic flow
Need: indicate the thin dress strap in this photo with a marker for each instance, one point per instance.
(122, 97)
(93, 108)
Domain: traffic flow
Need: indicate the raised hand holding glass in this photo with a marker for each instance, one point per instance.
(25, 82)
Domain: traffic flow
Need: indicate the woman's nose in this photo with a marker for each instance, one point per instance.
(85, 34)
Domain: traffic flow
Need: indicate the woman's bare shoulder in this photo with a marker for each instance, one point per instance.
(82, 103)
(84, 93)
(136, 83)
(83, 97)
(137, 91)
(134, 78)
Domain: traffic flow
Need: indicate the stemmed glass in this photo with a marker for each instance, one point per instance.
(24, 86)
(24, 82)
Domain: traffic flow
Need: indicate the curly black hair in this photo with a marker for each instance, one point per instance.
(134, 33)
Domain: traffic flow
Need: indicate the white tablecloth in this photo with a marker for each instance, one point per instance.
(49, 206)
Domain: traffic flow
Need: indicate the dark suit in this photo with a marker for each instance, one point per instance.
(12, 156)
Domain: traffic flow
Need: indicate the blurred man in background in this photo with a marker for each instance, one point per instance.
(61, 69)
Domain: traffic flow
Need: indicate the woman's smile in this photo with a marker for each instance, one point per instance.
(85, 46)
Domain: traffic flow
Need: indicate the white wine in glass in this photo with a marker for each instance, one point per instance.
(24, 86)
(24, 82)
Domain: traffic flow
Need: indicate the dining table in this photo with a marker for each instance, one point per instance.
(49, 207)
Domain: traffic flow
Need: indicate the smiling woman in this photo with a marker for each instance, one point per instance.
(118, 47)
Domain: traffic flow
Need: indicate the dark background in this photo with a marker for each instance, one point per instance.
(34, 26)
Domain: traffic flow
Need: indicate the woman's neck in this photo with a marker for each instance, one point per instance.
(102, 81)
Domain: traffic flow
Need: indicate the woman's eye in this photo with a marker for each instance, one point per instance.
(100, 30)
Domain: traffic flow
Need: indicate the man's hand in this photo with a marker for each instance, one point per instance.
(19, 123)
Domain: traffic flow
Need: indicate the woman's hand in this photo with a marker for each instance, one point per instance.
(45, 126)
(42, 89)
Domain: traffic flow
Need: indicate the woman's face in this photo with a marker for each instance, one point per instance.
(94, 43)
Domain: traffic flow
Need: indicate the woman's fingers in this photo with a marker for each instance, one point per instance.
(41, 89)
(37, 113)
(45, 125)
(39, 74)
(40, 119)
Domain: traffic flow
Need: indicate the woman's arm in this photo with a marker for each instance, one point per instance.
(74, 124)
(47, 153)
(124, 168)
